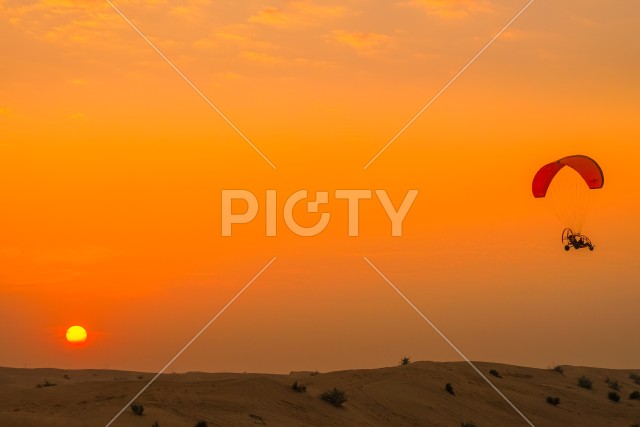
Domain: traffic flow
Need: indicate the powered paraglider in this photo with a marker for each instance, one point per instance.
(570, 192)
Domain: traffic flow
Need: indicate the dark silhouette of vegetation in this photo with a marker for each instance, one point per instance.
(467, 424)
(559, 369)
(335, 396)
(201, 424)
(46, 383)
(314, 373)
(257, 419)
(137, 408)
(555, 401)
(495, 373)
(300, 388)
(405, 360)
(449, 389)
(585, 382)
(635, 395)
(614, 396)
(635, 377)
(613, 384)
(67, 377)
(155, 424)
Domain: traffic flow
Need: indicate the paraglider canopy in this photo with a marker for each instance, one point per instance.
(588, 169)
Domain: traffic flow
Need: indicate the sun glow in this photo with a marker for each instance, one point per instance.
(76, 334)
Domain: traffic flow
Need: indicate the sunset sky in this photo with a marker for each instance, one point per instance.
(112, 168)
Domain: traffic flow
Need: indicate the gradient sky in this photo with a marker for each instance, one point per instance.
(111, 170)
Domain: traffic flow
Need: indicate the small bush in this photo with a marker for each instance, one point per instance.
(201, 424)
(137, 408)
(46, 383)
(449, 389)
(495, 373)
(467, 424)
(335, 396)
(613, 384)
(155, 424)
(614, 397)
(257, 419)
(67, 377)
(314, 373)
(559, 369)
(585, 382)
(635, 395)
(300, 388)
(140, 377)
(635, 378)
(555, 401)
(405, 360)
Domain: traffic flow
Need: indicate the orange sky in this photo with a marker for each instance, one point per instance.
(112, 169)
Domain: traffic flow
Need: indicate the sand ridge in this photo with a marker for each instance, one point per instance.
(409, 395)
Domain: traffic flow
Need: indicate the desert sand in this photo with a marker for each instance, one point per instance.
(408, 395)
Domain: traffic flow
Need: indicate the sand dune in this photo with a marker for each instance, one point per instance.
(410, 395)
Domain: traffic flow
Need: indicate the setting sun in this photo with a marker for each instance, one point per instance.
(76, 334)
